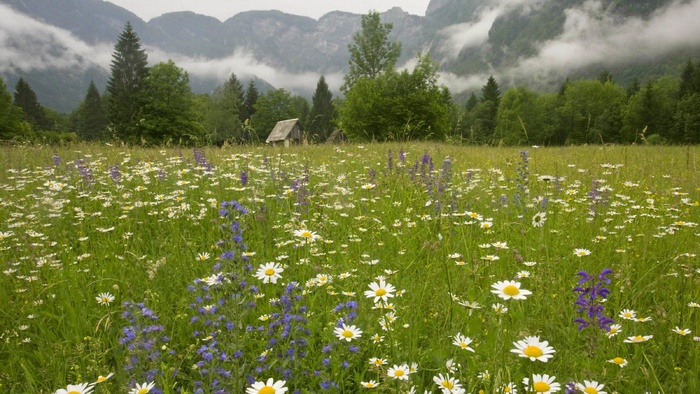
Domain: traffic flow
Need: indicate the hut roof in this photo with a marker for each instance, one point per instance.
(283, 130)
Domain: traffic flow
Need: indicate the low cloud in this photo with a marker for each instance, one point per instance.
(245, 65)
(27, 44)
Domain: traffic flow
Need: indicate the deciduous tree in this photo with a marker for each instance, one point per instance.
(371, 52)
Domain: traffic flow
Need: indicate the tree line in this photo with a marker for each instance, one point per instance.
(155, 105)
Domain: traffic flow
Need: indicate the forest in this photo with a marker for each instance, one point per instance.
(154, 105)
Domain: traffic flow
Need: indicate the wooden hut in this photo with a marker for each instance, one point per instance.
(288, 131)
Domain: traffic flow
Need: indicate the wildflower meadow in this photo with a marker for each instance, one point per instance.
(383, 268)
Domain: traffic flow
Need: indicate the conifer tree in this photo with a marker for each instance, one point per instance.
(92, 120)
(26, 99)
(11, 117)
(251, 97)
(129, 71)
(323, 112)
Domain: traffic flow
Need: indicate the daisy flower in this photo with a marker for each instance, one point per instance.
(400, 372)
(203, 256)
(82, 388)
(509, 388)
(539, 219)
(101, 378)
(591, 387)
(269, 273)
(347, 333)
(628, 314)
(104, 298)
(614, 330)
(470, 306)
(309, 236)
(638, 338)
(270, 387)
(544, 384)
(369, 385)
(581, 252)
(377, 361)
(380, 291)
(142, 388)
(463, 342)
(534, 349)
(508, 289)
(619, 361)
(448, 385)
(681, 331)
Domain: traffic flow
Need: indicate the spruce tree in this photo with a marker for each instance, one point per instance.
(26, 99)
(323, 112)
(11, 117)
(129, 71)
(251, 97)
(93, 120)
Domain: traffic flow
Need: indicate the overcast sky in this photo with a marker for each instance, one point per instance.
(224, 9)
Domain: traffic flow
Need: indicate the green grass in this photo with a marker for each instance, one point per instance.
(67, 237)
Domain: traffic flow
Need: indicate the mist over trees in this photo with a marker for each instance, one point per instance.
(155, 105)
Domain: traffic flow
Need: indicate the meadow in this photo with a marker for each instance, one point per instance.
(379, 268)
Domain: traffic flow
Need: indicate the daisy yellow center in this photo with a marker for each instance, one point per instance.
(507, 389)
(447, 384)
(142, 391)
(348, 334)
(590, 390)
(619, 360)
(73, 392)
(101, 379)
(463, 344)
(627, 314)
(613, 330)
(533, 351)
(511, 290)
(369, 385)
(306, 234)
(267, 390)
(581, 253)
(380, 292)
(398, 372)
(541, 387)
(639, 338)
(269, 272)
(105, 299)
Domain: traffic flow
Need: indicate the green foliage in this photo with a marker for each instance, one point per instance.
(591, 112)
(12, 123)
(371, 53)
(251, 97)
(323, 112)
(270, 108)
(26, 99)
(687, 120)
(167, 114)
(223, 120)
(89, 119)
(129, 72)
(397, 106)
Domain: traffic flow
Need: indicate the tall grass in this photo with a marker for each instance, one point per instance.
(440, 223)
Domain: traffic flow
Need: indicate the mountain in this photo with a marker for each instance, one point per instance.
(58, 46)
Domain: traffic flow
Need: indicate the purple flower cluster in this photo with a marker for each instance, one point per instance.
(115, 174)
(201, 160)
(85, 172)
(591, 291)
(144, 341)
